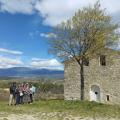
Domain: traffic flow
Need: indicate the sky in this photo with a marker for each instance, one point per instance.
(25, 24)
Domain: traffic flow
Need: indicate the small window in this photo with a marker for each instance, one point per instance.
(86, 61)
(108, 98)
(96, 93)
(103, 60)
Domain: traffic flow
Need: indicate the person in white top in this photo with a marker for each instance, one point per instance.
(32, 92)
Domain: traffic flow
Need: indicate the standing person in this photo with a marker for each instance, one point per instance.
(31, 94)
(32, 89)
(12, 94)
(26, 90)
(21, 93)
(17, 96)
(24, 93)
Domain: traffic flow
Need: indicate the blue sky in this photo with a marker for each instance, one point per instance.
(23, 33)
(25, 24)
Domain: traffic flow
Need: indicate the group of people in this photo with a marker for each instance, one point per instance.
(21, 93)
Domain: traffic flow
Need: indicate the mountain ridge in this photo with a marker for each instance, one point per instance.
(30, 72)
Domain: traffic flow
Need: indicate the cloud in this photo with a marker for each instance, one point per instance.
(116, 45)
(3, 50)
(112, 6)
(38, 59)
(54, 12)
(6, 62)
(48, 35)
(17, 6)
(46, 63)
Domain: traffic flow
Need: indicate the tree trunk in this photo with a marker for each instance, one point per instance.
(82, 79)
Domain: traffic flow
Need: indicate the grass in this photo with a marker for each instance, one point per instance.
(75, 108)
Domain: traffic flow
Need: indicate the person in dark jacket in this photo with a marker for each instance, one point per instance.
(17, 96)
(12, 96)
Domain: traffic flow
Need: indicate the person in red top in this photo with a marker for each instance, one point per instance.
(21, 93)
(26, 91)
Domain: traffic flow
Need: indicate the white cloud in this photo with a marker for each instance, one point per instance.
(55, 11)
(46, 63)
(6, 62)
(18, 6)
(48, 35)
(116, 45)
(38, 59)
(112, 6)
(3, 50)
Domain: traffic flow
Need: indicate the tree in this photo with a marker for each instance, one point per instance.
(83, 36)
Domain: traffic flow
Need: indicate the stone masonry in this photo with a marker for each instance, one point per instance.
(102, 83)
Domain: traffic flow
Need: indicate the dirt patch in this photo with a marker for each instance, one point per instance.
(46, 116)
(4, 94)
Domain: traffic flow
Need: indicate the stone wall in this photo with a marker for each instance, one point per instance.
(106, 77)
(72, 81)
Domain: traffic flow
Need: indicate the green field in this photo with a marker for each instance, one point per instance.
(76, 108)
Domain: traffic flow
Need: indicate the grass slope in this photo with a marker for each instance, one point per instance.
(75, 108)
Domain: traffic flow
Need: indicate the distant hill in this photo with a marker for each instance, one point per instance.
(30, 72)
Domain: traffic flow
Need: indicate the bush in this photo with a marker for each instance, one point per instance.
(50, 87)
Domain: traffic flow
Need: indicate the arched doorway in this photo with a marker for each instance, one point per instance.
(95, 93)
